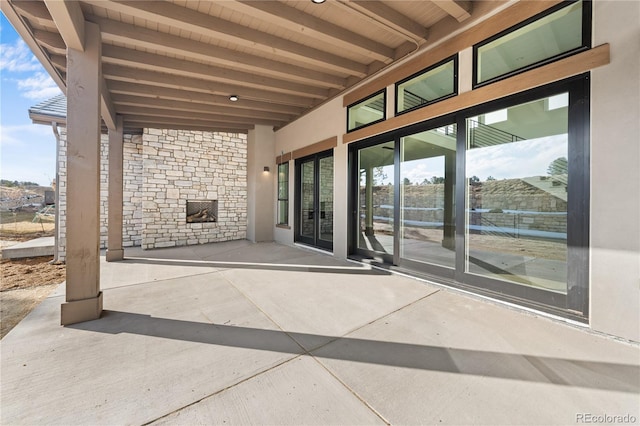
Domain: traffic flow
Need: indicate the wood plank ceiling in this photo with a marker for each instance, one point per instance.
(174, 64)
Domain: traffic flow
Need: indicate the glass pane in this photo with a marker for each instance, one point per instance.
(283, 181)
(366, 112)
(545, 38)
(307, 212)
(283, 194)
(427, 182)
(375, 197)
(516, 212)
(326, 198)
(283, 212)
(427, 87)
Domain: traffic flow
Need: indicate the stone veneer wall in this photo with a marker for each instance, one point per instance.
(185, 165)
(178, 154)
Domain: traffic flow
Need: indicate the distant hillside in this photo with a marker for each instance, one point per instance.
(13, 197)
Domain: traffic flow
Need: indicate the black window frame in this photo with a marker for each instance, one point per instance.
(573, 305)
(586, 42)
(455, 60)
(384, 109)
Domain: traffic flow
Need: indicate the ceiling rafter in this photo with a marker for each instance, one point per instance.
(160, 103)
(300, 22)
(145, 38)
(35, 11)
(129, 57)
(386, 15)
(211, 26)
(70, 22)
(52, 41)
(169, 114)
(150, 91)
(460, 10)
(134, 75)
(139, 126)
(174, 63)
(140, 118)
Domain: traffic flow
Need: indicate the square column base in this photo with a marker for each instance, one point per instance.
(81, 310)
(114, 255)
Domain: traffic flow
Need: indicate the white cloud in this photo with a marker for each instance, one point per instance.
(516, 160)
(21, 135)
(17, 57)
(39, 86)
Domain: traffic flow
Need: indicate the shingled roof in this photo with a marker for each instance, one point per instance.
(51, 110)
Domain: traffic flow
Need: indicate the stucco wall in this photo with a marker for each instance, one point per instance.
(325, 122)
(615, 169)
(615, 172)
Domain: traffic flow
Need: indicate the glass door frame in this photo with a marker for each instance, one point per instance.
(575, 303)
(431, 270)
(315, 241)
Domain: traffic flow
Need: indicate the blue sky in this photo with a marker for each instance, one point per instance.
(27, 151)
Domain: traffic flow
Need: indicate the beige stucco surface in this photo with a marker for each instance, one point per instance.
(615, 175)
(615, 172)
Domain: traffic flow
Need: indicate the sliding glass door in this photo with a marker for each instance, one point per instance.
(517, 192)
(375, 199)
(427, 196)
(494, 198)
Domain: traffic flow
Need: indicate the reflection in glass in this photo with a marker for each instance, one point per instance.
(283, 194)
(366, 112)
(545, 38)
(375, 198)
(427, 181)
(326, 198)
(307, 212)
(427, 87)
(516, 212)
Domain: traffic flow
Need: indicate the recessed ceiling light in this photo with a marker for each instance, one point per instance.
(233, 98)
(318, 1)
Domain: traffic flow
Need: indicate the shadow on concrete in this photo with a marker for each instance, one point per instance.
(359, 270)
(557, 371)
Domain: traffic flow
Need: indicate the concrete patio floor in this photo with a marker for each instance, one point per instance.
(241, 333)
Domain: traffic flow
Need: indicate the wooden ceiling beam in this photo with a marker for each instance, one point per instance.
(150, 91)
(127, 57)
(69, 20)
(131, 100)
(175, 123)
(170, 126)
(135, 75)
(303, 23)
(460, 10)
(34, 11)
(190, 115)
(166, 13)
(117, 32)
(382, 13)
(52, 41)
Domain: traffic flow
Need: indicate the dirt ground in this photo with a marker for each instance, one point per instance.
(24, 284)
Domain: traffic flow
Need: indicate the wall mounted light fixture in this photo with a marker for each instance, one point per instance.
(266, 168)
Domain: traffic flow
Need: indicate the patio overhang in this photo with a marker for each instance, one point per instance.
(232, 66)
(175, 65)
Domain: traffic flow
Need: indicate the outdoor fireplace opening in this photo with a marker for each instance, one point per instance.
(202, 211)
